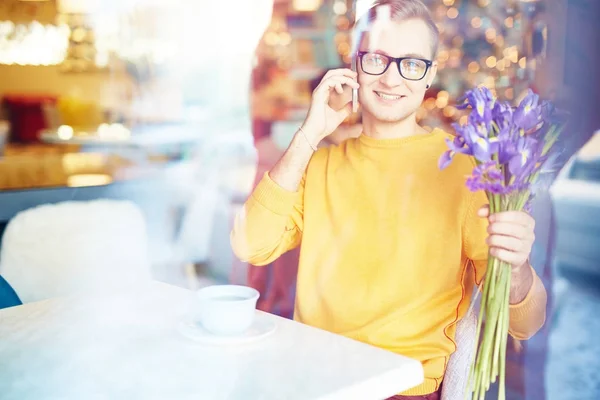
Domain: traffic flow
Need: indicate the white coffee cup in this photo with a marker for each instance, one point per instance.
(226, 309)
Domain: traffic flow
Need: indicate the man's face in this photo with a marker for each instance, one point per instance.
(389, 97)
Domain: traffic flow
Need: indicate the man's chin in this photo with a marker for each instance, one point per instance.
(391, 118)
(387, 116)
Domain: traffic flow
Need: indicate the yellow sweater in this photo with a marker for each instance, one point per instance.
(387, 241)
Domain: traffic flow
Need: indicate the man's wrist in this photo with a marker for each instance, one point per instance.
(313, 135)
(308, 139)
(521, 281)
(301, 145)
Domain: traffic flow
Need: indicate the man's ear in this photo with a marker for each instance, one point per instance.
(431, 74)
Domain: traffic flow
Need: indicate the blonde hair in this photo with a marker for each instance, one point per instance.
(403, 10)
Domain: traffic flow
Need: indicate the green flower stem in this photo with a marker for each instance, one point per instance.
(490, 356)
(504, 334)
(491, 353)
(492, 311)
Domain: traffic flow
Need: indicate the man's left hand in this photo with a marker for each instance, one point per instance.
(510, 240)
(511, 236)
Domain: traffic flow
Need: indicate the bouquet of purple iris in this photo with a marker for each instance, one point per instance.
(512, 148)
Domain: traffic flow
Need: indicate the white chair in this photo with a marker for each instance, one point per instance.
(74, 247)
(455, 383)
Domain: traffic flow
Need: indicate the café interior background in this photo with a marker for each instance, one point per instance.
(178, 106)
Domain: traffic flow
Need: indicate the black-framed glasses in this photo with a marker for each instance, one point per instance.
(410, 68)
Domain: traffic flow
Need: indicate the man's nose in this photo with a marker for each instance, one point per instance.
(392, 76)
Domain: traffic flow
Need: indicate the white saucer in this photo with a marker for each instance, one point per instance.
(261, 328)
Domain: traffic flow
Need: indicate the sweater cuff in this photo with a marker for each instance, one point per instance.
(522, 310)
(273, 197)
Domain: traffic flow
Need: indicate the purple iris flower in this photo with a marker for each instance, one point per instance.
(482, 102)
(487, 177)
(458, 145)
(525, 148)
(528, 114)
(507, 148)
(509, 144)
(445, 159)
(502, 115)
(527, 159)
(481, 146)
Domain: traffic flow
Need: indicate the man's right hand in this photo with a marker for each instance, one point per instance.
(322, 119)
(320, 122)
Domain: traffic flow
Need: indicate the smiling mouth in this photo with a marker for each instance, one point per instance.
(387, 96)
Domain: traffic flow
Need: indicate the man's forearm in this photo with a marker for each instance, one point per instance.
(520, 283)
(271, 221)
(290, 168)
(528, 300)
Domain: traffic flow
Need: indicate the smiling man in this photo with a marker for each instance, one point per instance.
(391, 247)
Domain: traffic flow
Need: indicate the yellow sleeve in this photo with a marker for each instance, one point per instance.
(269, 224)
(527, 317)
(475, 234)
